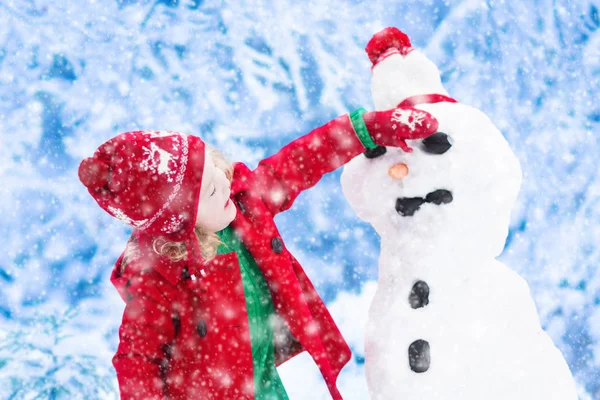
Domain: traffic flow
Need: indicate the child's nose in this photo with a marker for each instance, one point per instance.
(398, 171)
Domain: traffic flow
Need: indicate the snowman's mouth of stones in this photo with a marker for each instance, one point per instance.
(407, 206)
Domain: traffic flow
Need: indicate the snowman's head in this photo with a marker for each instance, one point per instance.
(461, 185)
(398, 77)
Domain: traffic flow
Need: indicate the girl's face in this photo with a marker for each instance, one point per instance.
(215, 209)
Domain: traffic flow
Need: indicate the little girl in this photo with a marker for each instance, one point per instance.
(214, 299)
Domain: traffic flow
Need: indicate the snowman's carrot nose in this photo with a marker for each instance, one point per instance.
(398, 171)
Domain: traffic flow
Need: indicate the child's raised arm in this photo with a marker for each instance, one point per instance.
(145, 333)
(302, 163)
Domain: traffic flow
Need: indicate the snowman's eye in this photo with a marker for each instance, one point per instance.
(375, 152)
(438, 143)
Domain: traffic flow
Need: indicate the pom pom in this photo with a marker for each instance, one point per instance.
(386, 39)
(93, 173)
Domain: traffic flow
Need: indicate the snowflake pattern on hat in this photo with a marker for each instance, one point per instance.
(178, 139)
(160, 164)
(119, 214)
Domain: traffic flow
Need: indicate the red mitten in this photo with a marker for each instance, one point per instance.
(393, 127)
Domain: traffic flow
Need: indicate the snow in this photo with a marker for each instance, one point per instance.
(249, 78)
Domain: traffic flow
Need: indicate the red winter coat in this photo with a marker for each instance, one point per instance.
(185, 338)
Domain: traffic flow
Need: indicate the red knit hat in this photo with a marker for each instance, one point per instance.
(150, 180)
(386, 42)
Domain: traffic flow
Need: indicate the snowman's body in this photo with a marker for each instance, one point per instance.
(448, 320)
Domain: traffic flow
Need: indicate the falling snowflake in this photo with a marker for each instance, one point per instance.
(403, 116)
(119, 214)
(173, 224)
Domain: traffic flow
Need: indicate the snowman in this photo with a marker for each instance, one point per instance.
(448, 320)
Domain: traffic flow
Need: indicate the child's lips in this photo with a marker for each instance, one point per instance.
(227, 203)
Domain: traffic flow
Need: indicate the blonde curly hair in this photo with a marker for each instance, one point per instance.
(176, 251)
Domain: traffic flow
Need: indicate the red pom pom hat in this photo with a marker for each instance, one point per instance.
(387, 42)
(150, 180)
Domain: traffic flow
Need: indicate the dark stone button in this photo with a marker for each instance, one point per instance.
(438, 143)
(408, 206)
(419, 356)
(439, 196)
(201, 328)
(277, 245)
(419, 295)
(375, 152)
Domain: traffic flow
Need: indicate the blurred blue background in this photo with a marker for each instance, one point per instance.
(249, 77)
